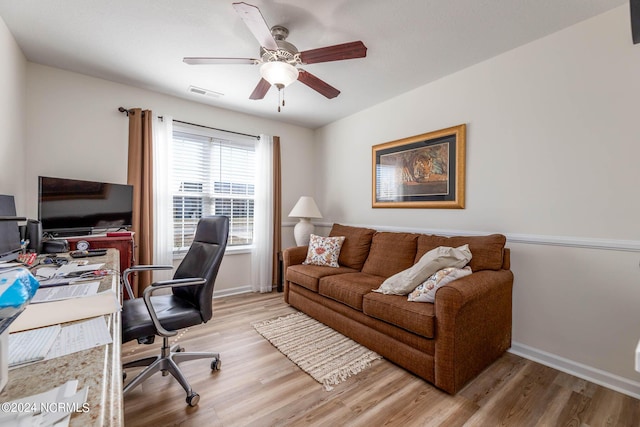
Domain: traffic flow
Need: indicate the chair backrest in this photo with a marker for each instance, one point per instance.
(203, 260)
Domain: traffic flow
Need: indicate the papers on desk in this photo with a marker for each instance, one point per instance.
(46, 272)
(51, 408)
(65, 292)
(56, 341)
(73, 268)
(68, 273)
(80, 336)
(67, 269)
(66, 310)
(31, 346)
(4, 265)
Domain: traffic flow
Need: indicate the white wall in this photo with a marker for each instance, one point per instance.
(552, 158)
(77, 132)
(12, 118)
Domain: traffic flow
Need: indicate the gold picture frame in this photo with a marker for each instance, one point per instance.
(422, 171)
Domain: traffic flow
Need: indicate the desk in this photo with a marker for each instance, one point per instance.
(99, 368)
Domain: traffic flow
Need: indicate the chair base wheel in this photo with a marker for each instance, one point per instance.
(216, 364)
(193, 399)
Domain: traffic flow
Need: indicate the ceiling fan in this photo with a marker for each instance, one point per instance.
(279, 59)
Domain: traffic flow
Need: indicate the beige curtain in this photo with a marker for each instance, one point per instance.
(140, 175)
(277, 211)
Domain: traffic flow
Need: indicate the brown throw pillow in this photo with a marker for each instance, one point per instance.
(356, 244)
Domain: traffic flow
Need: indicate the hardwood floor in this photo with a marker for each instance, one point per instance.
(258, 386)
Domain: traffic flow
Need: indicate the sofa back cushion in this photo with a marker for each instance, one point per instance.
(355, 247)
(486, 251)
(391, 253)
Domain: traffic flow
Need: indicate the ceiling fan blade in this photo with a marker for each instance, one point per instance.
(196, 60)
(634, 5)
(334, 53)
(318, 85)
(253, 19)
(261, 90)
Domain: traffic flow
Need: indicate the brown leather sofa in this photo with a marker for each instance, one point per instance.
(448, 342)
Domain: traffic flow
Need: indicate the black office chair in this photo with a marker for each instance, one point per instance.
(189, 304)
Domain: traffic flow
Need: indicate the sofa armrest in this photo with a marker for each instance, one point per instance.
(473, 318)
(292, 256)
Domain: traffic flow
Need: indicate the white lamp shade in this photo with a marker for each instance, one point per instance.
(305, 208)
(280, 74)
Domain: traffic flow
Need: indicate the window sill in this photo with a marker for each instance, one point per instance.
(236, 250)
(233, 250)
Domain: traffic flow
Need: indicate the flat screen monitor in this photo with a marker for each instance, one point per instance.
(9, 230)
(72, 207)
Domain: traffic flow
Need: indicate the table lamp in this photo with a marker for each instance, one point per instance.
(305, 209)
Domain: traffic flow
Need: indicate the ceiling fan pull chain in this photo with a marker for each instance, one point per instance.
(280, 98)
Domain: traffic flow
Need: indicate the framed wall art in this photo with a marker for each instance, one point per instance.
(422, 171)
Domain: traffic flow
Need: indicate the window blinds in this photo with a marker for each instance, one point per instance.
(212, 176)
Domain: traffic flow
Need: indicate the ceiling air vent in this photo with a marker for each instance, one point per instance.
(206, 92)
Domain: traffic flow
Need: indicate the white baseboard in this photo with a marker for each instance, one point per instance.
(597, 376)
(233, 291)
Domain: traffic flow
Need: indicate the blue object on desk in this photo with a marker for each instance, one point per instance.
(17, 287)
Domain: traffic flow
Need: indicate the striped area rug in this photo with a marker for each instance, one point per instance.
(328, 356)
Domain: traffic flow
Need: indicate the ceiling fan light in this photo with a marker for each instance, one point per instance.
(280, 74)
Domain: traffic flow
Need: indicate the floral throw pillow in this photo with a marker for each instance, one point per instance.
(426, 292)
(324, 250)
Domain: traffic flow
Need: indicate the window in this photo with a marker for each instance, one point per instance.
(212, 174)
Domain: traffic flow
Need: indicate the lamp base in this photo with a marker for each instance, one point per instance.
(302, 231)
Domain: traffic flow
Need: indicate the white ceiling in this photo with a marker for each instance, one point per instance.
(410, 43)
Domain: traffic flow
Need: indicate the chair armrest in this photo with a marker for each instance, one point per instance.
(146, 295)
(129, 271)
(473, 318)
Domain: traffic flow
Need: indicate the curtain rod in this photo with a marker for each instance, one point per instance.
(209, 127)
(127, 112)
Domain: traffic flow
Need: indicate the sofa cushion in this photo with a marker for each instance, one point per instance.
(487, 251)
(396, 310)
(390, 253)
(324, 250)
(436, 259)
(349, 288)
(356, 244)
(308, 276)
